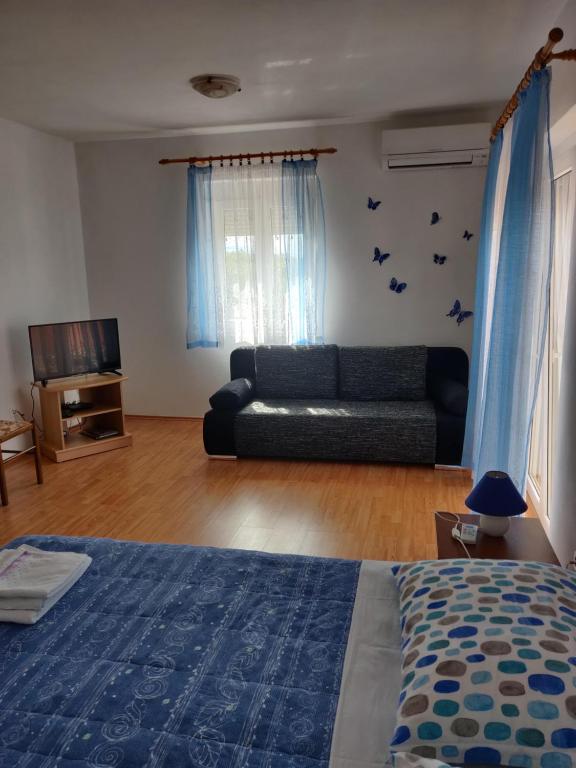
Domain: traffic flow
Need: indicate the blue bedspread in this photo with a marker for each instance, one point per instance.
(179, 656)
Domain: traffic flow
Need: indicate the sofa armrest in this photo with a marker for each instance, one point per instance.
(450, 395)
(233, 396)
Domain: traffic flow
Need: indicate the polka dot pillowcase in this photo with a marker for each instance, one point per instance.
(489, 663)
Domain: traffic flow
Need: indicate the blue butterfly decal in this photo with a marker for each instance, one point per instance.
(435, 218)
(467, 235)
(439, 259)
(373, 204)
(379, 256)
(459, 313)
(455, 309)
(396, 286)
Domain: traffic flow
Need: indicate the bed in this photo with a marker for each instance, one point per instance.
(171, 656)
(166, 656)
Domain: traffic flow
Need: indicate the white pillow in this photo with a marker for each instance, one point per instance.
(489, 662)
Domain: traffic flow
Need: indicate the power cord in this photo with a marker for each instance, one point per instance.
(33, 402)
(454, 518)
(32, 417)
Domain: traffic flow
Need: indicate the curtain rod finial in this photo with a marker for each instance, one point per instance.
(556, 34)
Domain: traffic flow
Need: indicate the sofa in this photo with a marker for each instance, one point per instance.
(369, 404)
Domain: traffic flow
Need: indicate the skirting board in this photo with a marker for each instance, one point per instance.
(451, 468)
(163, 418)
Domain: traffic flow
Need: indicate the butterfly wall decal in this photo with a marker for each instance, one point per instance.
(379, 256)
(467, 235)
(435, 218)
(396, 286)
(373, 204)
(439, 259)
(459, 313)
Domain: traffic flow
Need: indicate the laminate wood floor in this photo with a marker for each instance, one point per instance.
(165, 489)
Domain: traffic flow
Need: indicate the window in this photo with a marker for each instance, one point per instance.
(256, 255)
(545, 412)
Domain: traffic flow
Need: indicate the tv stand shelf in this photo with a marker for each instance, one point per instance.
(104, 391)
(85, 412)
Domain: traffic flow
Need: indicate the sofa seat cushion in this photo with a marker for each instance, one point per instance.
(297, 372)
(383, 373)
(338, 430)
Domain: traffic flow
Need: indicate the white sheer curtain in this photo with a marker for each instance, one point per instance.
(247, 223)
(563, 375)
(255, 254)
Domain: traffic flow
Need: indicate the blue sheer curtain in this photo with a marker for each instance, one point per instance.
(304, 248)
(512, 290)
(483, 269)
(201, 267)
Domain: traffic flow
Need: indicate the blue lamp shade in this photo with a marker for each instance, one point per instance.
(497, 496)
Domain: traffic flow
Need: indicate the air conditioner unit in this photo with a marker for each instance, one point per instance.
(446, 146)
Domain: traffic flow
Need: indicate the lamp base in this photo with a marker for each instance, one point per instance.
(494, 526)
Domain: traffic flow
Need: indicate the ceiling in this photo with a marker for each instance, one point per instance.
(89, 69)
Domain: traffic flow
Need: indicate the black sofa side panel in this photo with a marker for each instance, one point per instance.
(218, 431)
(449, 437)
(447, 363)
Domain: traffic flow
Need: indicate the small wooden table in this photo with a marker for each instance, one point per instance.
(526, 540)
(8, 431)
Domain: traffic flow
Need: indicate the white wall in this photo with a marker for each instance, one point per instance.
(42, 270)
(563, 91)
(133, 214)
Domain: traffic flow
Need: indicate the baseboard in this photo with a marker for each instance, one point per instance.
(19, 456)
(163, 418)
(451, 468)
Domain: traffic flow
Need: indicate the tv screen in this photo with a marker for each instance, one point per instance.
(71, 349)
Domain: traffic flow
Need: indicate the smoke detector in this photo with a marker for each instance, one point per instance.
(216, 86)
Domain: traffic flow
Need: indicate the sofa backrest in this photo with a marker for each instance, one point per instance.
(297, 372)
(442, 362)
(382, 373)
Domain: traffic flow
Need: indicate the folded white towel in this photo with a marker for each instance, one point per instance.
(30, 573)
(32, 581)
(37, 603)
(27, 616)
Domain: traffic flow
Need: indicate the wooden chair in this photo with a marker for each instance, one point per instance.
(8, 431)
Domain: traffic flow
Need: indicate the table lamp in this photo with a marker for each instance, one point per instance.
(495, 498)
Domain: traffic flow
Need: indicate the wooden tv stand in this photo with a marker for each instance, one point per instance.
(104, 391)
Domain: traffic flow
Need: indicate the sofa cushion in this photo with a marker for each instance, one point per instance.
(338, 430)
(383, 373)
(297, 371)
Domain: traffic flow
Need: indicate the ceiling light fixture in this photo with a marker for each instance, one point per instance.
(216, 86)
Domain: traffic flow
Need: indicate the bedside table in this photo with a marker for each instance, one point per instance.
(525, 540)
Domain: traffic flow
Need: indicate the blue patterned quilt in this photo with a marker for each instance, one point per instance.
(179, 657)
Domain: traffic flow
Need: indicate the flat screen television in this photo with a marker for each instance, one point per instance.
(72, 349)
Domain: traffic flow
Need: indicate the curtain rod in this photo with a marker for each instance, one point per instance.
(543, 57)
(250, 156)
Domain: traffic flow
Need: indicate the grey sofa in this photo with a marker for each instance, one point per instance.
(376, 404)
